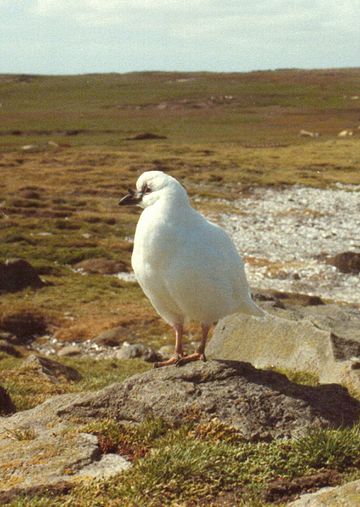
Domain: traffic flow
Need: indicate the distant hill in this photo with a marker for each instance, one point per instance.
(253, 107)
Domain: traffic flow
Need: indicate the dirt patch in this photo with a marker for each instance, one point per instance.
(285, 490)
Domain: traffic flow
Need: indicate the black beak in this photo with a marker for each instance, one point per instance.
(131, 198)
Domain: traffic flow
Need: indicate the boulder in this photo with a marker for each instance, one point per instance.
(51, 370)
(262, 404)
(44, 446)
(49, 457)
(320, 339)
(6, 404)
(101, 266)
(17, 274)
(347, 495)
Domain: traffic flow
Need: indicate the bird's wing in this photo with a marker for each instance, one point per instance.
(207, 263)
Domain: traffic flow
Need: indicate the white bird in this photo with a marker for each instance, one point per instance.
(188, 267)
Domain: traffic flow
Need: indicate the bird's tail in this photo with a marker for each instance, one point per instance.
(250, 308)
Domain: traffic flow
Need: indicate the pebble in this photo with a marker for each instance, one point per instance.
(293, 226)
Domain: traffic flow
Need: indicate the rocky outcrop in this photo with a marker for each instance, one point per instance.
(261, 404)
(321, 339)
(17, 274)
(347, 495)
(47, 446)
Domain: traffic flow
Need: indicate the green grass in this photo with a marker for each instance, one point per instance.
(173, 466)
(70, 193)
(104, 106)
(28, 388)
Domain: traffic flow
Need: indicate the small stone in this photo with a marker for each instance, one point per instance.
(166, 351)
(69, 350)
(137, 350)
(108, 465)
(113, 337)
(51, 370)
(101, 266)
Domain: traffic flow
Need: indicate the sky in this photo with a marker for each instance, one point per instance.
(85, 36)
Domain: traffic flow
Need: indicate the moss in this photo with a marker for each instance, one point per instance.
(306, 378)
(173, 467)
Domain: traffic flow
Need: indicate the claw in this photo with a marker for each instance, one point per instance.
(168, 362)
(196, 356)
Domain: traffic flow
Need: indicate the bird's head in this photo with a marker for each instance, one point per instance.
(153, 186)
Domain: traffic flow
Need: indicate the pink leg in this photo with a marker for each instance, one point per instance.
(179, 352)
(200, 353)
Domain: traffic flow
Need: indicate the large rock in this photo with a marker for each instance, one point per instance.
(321, 339)
(43, 446)
(39, 449)
(17, 274)
(347, 495)
(262, 404)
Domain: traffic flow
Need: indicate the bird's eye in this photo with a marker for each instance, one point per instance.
(146, 190)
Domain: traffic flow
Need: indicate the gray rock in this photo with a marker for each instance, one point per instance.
(107, 466)
(138, 350)
(112, 337)
(262, 404)
(347, 495)
(166, 351)
(39, 449)
(321, 339)
(43, 447)
(51, 370)
(101, 266)
(69, 350)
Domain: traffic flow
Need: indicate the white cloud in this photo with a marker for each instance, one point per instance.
(205, 16)
(180, 34)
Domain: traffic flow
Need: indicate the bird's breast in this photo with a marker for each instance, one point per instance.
(154, 243)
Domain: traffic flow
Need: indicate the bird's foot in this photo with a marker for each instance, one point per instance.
(169, 362)
(196, 356)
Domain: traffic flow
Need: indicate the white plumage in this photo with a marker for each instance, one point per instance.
(187, 266)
